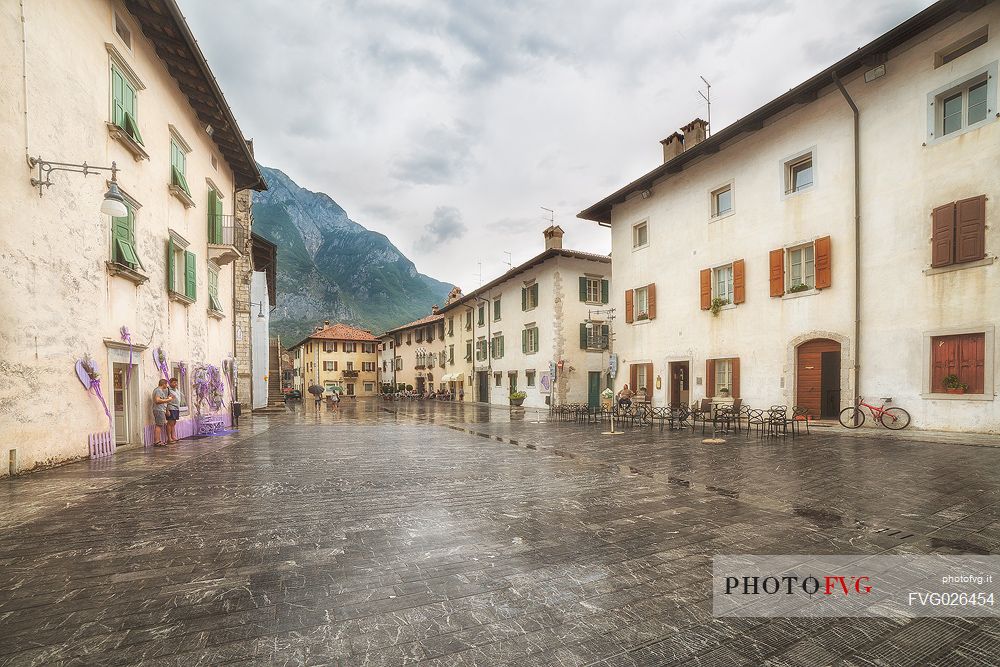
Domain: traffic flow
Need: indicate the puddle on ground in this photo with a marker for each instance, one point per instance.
(822, 518)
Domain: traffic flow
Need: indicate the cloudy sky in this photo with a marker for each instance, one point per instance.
(446, 125)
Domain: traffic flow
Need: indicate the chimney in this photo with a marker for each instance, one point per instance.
(435, 310)
(326, 323)
(694, 133)
(553, 237)
(672, 146)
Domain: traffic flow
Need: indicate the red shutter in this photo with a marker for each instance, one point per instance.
(944, 361)
(823, 264)
(970, 229)
(649, 382)
(777, 272)
(651, 300)
(736, 377)
(943, 235)
(739, 282)
(710, 378)
(971, 361)
(633, 376)
(706, 289)
(629, 307)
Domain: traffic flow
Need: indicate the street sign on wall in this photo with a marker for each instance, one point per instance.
(613, 366)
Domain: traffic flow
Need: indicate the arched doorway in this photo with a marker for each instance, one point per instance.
(817, 377)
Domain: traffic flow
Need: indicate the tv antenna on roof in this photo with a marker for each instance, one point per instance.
(707, 96)
(508, 262)
(552, 214)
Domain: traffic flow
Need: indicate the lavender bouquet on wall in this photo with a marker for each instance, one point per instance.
(127, 338)
(208, 387)
(160, 359)
(90, 378)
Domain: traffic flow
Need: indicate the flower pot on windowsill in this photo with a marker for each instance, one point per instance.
(954, 390)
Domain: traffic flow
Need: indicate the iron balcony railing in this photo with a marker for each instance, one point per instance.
(349, 374)
(225, 230)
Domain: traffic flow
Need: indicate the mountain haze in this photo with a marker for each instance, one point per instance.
(330, 267)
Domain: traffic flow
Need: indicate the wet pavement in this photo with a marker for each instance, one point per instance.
(431, 532)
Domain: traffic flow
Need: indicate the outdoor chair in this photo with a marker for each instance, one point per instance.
(756, 420)
(777, 420)
(800, 415)
(679, 415)
(728, 414)
(661, 415)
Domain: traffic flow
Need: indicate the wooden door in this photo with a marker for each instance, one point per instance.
(594, 389)
(679, 372)
(809, 374)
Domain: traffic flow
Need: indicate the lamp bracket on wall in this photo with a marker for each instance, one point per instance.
(114, 201)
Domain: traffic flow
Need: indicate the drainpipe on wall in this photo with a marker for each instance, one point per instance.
(857, 235)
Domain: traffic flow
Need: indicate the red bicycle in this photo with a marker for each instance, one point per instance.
(892, 418)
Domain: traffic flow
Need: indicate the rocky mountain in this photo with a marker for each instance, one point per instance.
(332, 268)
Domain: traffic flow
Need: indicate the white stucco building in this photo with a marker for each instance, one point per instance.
(809, 252)
(94, 82)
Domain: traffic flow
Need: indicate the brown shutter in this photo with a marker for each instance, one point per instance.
(649, 382)
(736, 377)
(970, 229)
(971, 361)
(943, 235)
(944, 361)
(823, 265)
(706, 289)
(633, 376)
(629, 308)
(651, 300)
(777, 268)
(739, 282)
(710, 378)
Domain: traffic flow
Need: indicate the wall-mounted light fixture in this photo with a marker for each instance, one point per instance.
(114, 201)
(260, 308)
(647, 193)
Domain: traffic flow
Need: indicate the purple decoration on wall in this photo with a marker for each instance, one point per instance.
(86, 372)
(127, 337)
(160, 359)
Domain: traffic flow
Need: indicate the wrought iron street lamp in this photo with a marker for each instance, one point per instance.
(604, 343)
(114, 201)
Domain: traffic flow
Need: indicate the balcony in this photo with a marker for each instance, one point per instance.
(226, 239)
(349, 374)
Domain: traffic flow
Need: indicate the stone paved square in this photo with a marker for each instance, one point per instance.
(450, 535)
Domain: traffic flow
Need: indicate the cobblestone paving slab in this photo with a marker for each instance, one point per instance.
(453, 535)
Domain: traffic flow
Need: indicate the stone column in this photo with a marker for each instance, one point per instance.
(242, 270)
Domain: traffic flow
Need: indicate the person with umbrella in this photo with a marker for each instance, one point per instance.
(317, 391)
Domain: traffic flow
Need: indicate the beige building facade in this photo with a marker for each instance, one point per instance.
(807, 254)
(339, 358)
(85, 82)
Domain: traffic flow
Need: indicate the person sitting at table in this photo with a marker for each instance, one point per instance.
(625, 397)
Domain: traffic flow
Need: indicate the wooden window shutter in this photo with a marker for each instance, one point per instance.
(970, 229)
(606, 333)
(629, 307)
(776, 260)
(583, 288)
(524, 341)
(171, 265)
(190, 276)
(649, 382)
(633, 376)
(605, 285)
(583, 335)
(524, 298)
(943, 235)
(824, 268)
(971, 361)
(651, 300)
(736, 377)
(739, 281)
(706, 289)
(710, 378)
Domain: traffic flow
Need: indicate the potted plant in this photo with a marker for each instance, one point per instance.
(952, 385)
(642, 316)
(517, 398)
(717, 304)
(724, 392)
(798, 287)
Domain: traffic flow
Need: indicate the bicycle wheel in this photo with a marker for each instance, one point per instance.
(895, 418)
(852, 417)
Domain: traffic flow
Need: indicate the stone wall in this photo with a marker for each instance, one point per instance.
(243, 268)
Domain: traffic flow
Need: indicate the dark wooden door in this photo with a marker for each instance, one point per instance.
(830, 385)
(678, 383)
(809, 375)
(594, 389)
(484, 387)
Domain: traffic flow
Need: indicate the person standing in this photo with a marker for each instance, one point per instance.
(173, 411)
(161, 398)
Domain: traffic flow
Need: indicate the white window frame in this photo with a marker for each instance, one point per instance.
(965, 45)
(180, 245)
(728, 296)
(935, 103)
(530, 301)
(723, 375)
(788, 166)
(788, 265)
(716, 214)
(636, 310)
(183, 384)
(594, 289)
(532, 338)
(644, 224)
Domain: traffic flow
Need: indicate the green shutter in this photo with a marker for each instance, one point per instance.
(534, 293)
(171, 265)
(604, 291)
(583, 335)
(132, 128)
(583, 288)
(538, 340)
(218, 216)
(117, 97)
(524, 298)
(213, 291)
(177, 178)
(496, 309)
(123, 240)
(501, 348)
(190, 276)
(524, 341)
(606, 332)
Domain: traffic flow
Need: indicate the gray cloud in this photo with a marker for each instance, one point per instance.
(446, 226)
(441, 156)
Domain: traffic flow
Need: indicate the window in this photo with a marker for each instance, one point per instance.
(512, 381)
(385, 366)
(216, 216)
(182, 392)
(123, 104)
(178, 166)
(468, 350)
(368, 366)
(214, 303)
(963, 356)
(496, 346)
(182, 271)
(451, 354)
(123, 31)
(593, 290)
(963, 105)
(529, 378)
(640, 235)
(529, 339)
(368, 348)
(801, 268)
(722, 201)
(482, 314)
(496, 309)
(350, 365)
(799, 173)
(481, 349)
(399, 363)
(594, 336)
(722, 377)
(529, 296)
(409, 338)
(722, 283)
(958, 232)
(328, 366)
(350, 389)
(641, 304)
(958, 49)
(123, 240)
(468, 320)
(350, 347)
(369, 386)
(329, 346)
(498, 379)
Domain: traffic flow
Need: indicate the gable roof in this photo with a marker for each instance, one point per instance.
(339, 331)
(415, 323)
(165, 27)
(867, 56)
